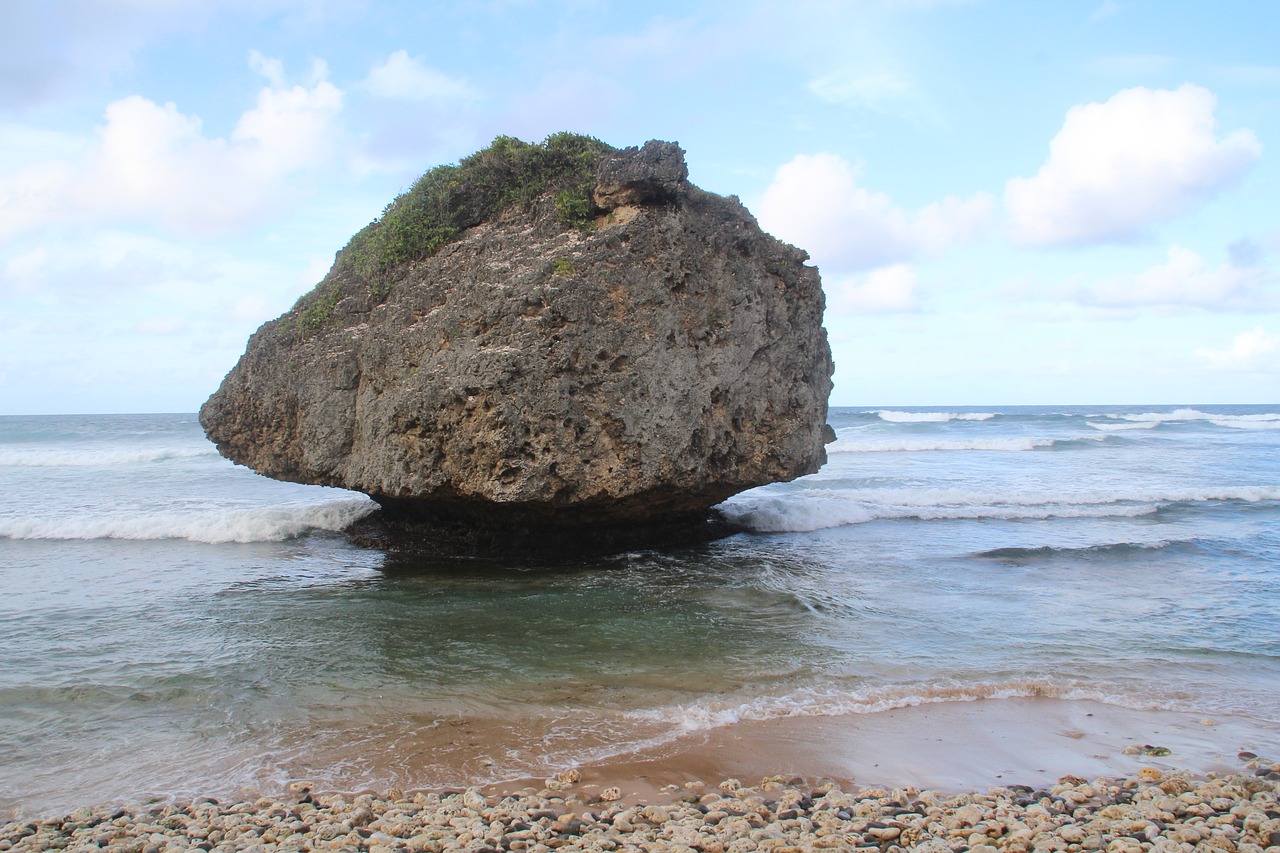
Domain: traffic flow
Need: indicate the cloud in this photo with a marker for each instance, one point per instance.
(887, 290)
(1116, 168)
(1184, 279)
(1104, 10)
(104, 265)
(876, 91)
(1254, 351)
(815, 202)
(407, 78)
(52, 46)
(150, 162)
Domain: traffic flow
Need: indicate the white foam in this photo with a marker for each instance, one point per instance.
(819, 509)
(88, 457)
(907, 444)
(1241, 421)
(931, 417)
(242, 524)
(1117, 427)
(817, 702)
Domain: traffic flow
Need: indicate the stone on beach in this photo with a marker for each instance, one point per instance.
(1230, 814)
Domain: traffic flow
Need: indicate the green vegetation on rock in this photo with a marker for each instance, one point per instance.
(564, 266)
(313, 317)
(448, 199)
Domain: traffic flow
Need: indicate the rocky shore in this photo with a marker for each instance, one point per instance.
(1153, 811)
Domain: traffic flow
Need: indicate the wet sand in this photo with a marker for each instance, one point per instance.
(947, 746)
(1006, 774)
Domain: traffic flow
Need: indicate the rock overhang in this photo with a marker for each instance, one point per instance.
(532, 384)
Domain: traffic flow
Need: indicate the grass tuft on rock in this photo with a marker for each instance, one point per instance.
(449, 199)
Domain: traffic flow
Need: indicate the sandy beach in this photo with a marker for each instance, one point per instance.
(955, 746)
(1003, 774)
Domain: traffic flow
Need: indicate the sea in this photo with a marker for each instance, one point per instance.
(175, 625)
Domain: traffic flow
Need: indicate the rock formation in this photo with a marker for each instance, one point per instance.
(587, 355)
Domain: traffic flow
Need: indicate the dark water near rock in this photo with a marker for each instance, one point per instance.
(176, 625)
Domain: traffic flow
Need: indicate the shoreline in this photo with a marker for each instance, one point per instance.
(1151, 811)
(810, 782)
(953, 746)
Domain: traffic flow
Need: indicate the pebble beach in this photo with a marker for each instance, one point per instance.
(1151, 811)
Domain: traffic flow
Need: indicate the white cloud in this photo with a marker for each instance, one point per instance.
(1254, 351)
(151, 162)
(104, 262)
(876, 90)
(886, 290)
(407, 78)
(1185, 279)
(1106, 9)
(269, 67)
(1117, 167)
(816, 203)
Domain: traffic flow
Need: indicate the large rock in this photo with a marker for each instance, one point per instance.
(534, 387)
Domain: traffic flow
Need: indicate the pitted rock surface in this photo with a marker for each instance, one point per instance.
(533, 387)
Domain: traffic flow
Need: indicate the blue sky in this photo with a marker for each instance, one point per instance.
(1010, 202)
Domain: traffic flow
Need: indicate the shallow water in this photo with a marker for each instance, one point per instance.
(177, 625)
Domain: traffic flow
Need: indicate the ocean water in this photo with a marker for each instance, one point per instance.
(176, 625)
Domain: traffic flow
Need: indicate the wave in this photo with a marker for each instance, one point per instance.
(242, 524)
(1039, 552)
(88, 457)
(918, 445)
(1242, 423)
(817, 702)
(1116, 427)
(1257, 421)
(930, 417)
(819, 509)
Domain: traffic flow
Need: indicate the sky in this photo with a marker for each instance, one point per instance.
(1009, 202)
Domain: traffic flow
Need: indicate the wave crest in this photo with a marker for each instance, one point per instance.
(817, 702)
(89, 457)
(1154, 419)
(818, 509)
(217, 526)
(896, 417)
(907, 444)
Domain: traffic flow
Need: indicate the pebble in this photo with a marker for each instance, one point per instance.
(1153, 812)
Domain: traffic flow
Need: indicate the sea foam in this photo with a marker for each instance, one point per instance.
(1258, 421)
(84, 457)
(817, 509)
(714, 713)
(895, 417)
(906, 444)
(241, 524)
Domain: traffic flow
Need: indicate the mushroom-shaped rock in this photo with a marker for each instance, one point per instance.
(547, 349)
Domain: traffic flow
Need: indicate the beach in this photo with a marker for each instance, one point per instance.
(631, 806)
(944, 777)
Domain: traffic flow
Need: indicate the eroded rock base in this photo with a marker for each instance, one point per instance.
(434, 528)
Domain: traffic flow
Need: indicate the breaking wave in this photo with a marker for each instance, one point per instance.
(215, 526)
(1043, 551)
(1258, 421)
(818, 509)
(88, 457)
(1116, 427)
(819, 702)
(931, 417)
(907, 444)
